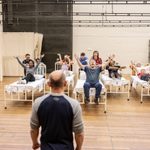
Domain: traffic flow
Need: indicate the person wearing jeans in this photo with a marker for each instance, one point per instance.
(92, 72)
(97, 86)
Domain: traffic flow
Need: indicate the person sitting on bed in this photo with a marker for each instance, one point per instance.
(114, 69)
(83, 59)
(97, 58)
(133, 67)
(30, 70)
(92, 72)
(26, 61)
(65, 64)
(142, 74)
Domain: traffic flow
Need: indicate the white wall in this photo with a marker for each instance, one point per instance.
(1, 73)
(18, 44)
(128, 43)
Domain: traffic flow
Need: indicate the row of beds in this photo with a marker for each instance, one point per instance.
(21, 92)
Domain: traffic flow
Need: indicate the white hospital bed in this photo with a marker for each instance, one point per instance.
(118, 86)
(79, 90)
(70, 82)
(19, 92)
(41, 70)
(144, 85)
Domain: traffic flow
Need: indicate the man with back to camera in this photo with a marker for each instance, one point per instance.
(58, 116)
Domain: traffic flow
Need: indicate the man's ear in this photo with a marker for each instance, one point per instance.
(49, 83)
(65, 83)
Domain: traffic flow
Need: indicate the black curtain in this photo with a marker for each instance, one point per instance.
(52, 19)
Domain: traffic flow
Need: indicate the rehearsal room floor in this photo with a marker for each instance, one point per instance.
(125, 126)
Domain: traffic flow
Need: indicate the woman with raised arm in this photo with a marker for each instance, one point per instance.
(30, 70)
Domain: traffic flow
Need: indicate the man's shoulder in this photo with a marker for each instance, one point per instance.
(72, 101)
(39, 100)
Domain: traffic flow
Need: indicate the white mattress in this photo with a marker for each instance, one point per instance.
(135, 80)
(70, 79)
(116, 82)
(15, 87)
(147, 69)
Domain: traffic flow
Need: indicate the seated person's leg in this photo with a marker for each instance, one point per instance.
(98, 88)
(32, 78)
(145, 77)
(29, 77)
(118, 75)
(87, 87)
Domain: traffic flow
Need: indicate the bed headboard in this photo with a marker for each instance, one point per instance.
(41, 70)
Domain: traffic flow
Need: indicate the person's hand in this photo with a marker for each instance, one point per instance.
(132, 63)
(35, 146)
(42, 55)
(113, 56)
(76, 57)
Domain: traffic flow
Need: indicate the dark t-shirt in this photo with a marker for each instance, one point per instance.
(56, 122)
(113, 72)
(84, 60)
(92, 74)
(58, 116)
(26, 62)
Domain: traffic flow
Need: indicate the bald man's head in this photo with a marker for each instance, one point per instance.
(57, 79)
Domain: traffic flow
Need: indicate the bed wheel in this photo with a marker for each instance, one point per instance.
(128, 99)
(5, 107)
(141, 102)
(105, 111)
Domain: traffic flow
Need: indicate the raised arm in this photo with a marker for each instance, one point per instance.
(59, 55)
(133, 67)
(19, 61)
(106, 63)
(78, 61)
(110, 58)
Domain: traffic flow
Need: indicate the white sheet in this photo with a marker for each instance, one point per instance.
(147, 69)
(115, 82)
(70, 80)
(135, 80)
(15, 87)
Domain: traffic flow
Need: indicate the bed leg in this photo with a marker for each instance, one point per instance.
(142, 95)
(105, 105)
(5, 103)
(128, 92)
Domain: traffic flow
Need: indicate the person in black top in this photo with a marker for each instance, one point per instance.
(58, 116)
(114, 69)
(26, 61)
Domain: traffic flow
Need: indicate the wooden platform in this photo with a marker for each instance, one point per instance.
(126, 125)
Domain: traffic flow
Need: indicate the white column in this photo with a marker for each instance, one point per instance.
(1, 37)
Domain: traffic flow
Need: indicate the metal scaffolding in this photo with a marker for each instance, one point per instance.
(102, 18)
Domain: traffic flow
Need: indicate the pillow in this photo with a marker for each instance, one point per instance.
(82, 75)
(38, 76)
